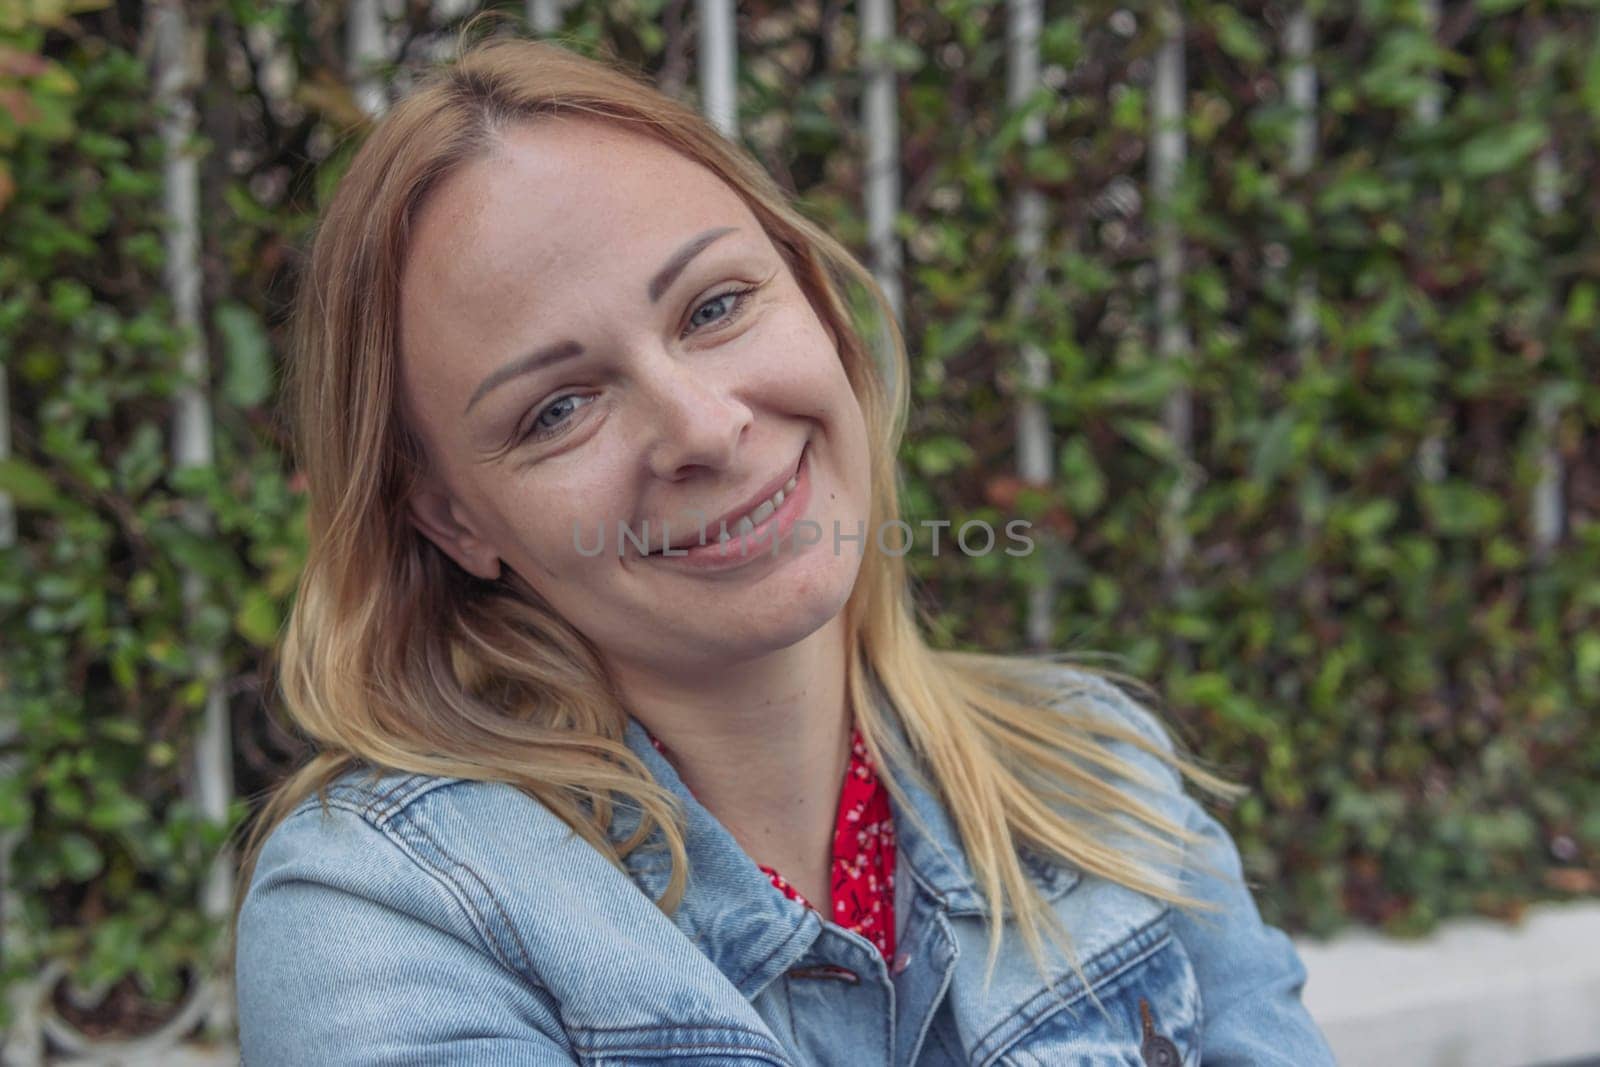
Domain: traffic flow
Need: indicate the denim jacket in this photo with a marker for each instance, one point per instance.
(440, 921)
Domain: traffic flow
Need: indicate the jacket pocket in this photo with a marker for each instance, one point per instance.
(1144, 1013)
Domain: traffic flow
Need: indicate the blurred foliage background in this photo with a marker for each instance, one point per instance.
(1366, 628)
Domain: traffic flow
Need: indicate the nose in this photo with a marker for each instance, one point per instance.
(697, 418)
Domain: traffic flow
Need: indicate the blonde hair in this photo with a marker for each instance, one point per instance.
(393, 657)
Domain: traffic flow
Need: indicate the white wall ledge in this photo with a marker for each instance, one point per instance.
(1476, 993)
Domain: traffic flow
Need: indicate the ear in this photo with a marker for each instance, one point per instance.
(440, 518)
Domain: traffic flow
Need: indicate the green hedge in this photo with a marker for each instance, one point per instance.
(1375, 647)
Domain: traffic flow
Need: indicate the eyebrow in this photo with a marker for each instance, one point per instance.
(561, 351)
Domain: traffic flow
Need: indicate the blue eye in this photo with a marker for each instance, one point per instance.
(542, 428)
(738, 296)
(550, 420)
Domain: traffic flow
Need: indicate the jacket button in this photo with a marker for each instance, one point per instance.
(902, 960)
(1156, 1050)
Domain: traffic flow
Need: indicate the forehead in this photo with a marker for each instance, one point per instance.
(561, 199)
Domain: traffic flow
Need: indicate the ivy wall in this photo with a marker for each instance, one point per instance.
(1363, 565)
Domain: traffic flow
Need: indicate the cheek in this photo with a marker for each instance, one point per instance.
(796, 360)
(557, 527)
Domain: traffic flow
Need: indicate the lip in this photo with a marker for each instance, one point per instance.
(714, 526)
(765, 541)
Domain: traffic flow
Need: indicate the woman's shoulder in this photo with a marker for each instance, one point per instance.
(444, 910)
(424, 907)
(1113, 711)
(455, 854)
(1101, 695)
(433, 826)
(477, 878)
(367, 806)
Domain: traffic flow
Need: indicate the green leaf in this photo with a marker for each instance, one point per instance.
(1586, 658)
(1359, 189)
(1497, 150)
(941, 455)
(1371, 518)
(1459, 509)
(1590, 90)
(141, 461)
(1149, 436)
(1273, 451)
(1214, 691)
(1083, 483)
(257, 618)
(80, 857)
(27, 485)
(116, 811)
(247, 355)
(69, 298)
(1237, 36)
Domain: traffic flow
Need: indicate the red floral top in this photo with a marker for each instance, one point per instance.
(863, 854)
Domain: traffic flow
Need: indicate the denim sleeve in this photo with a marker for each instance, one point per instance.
(1249, 972)
(1250, 975)
(350, 954)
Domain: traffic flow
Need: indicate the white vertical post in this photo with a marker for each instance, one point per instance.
(719, 65)
(883, 146)
(364, 41)
(1034, 445)
(179, 51)
(1548, 517)
(1167, 152)
(1299, 44)
(1431, 104)
(10, 923)
(881, 108)
(1429, 107)
(8, 514)
(544, 16)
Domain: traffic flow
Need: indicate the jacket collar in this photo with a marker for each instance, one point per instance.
(749, 930)
(929, 846)
(730, 909)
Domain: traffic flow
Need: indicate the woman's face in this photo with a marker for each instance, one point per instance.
(579, 350)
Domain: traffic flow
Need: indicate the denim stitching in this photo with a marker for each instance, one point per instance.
(436, 871)
(732, 1028)
(424, 783)
(761, 1051)
(1138, 955)
(735, 1050)
(1187, 964)
(383, 797)
(938, 932)
(398, 797)
(527, 964)
(433, 870)
(769, 956)
(1107, 984)
(937, 1033)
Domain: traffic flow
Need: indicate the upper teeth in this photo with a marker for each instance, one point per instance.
(763, 511)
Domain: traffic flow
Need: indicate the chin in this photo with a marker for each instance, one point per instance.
(824, 598)
(790, 614)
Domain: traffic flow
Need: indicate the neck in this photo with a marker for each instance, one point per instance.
(763, 744)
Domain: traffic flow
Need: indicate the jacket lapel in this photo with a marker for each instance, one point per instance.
(730, 909)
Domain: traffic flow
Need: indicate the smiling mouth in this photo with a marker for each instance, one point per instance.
(731, 527)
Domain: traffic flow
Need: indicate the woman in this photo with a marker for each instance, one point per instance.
(595, 622)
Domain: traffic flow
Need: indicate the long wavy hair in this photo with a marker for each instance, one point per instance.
(395, 658)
